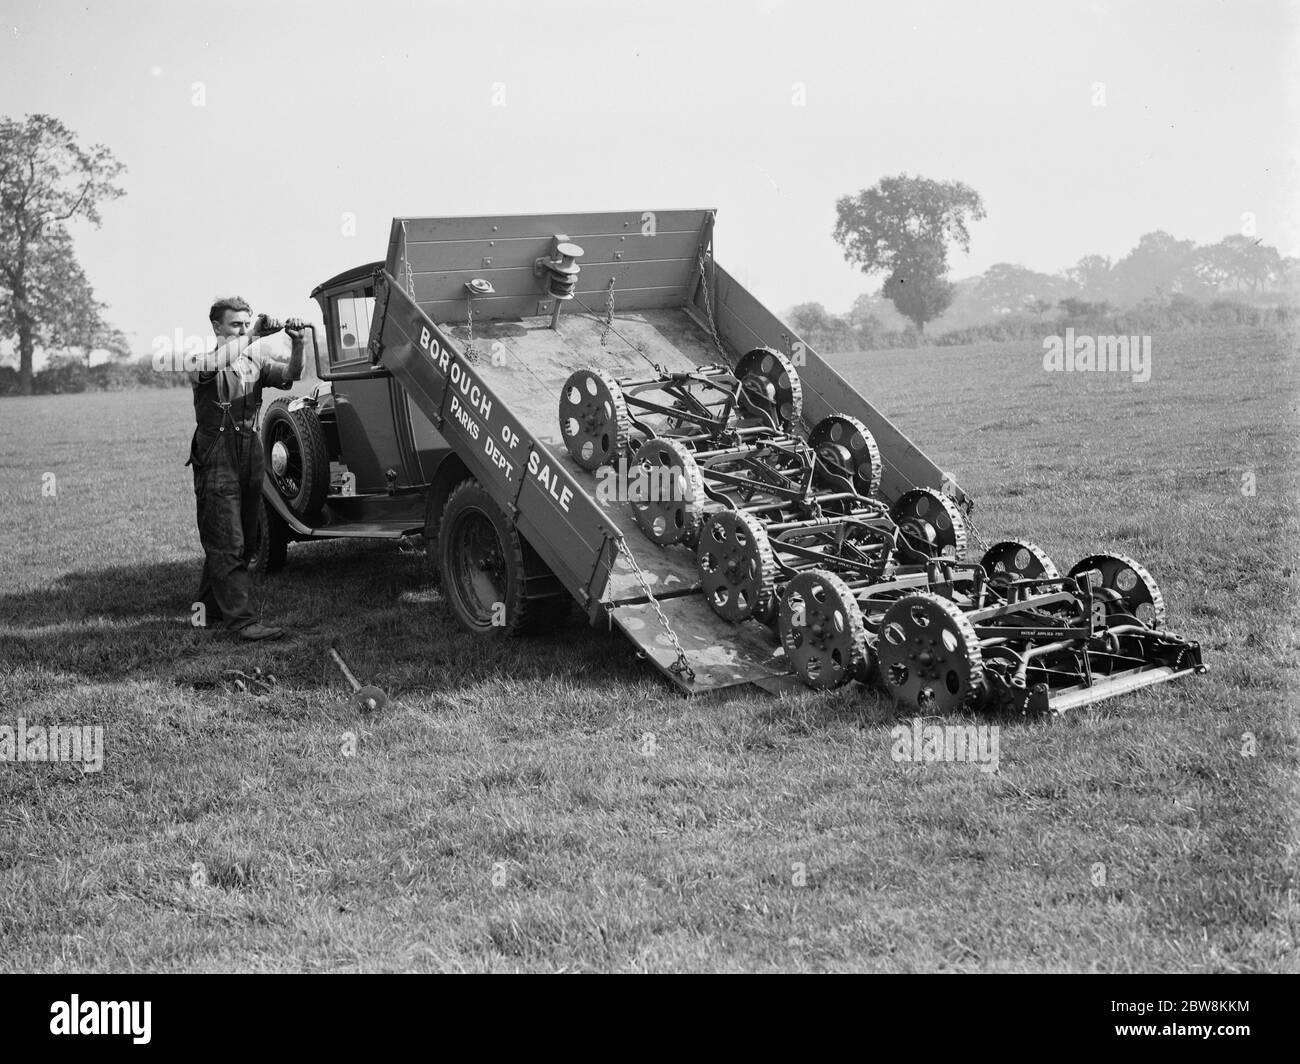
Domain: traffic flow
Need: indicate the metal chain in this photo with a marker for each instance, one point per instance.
(980, 541)
(609, 312)
(635, 346)
(681, 666)
(469, 350)
(406, 258)
(708, 308)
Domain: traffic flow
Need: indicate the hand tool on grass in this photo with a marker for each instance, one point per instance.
(367, 698)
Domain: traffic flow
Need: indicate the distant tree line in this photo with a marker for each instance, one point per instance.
(70, 373)
(1162, 283)
(902, 227)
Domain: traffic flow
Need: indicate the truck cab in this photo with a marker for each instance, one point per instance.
(354, 457)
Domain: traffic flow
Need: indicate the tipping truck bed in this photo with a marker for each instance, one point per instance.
(490, 381)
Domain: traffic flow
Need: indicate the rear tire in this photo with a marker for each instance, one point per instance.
(432, 567)
(297, 458)
(494, 581)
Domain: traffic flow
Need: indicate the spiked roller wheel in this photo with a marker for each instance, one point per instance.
(1015, 560)
(847, 453)
(666, 492)
(770, 383)
(593, 418)
(736, 565)
(1136, 588)
(930, 525)
(821, 629)
(929, 655)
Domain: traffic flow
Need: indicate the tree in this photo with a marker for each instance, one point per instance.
(1214, 266)
(1288, 275)
(1092, 276)
(901, 227)
(1005, 288)
(1242, 260)
(865, 322)
(1159, 266)
(820, 329)
(47, 180)
(917, 286)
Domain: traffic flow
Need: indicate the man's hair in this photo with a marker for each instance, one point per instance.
(219, 308)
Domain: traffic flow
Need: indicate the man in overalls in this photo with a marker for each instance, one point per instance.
(226, 454)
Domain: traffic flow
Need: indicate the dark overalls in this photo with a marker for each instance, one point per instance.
(226, 454)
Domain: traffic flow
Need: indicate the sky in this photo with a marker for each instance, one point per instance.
(251, 132)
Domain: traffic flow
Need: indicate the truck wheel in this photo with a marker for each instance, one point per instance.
(272, 546)
(432, 516)
(297, 457)
(493, 579)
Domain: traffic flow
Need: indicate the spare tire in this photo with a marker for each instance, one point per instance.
(297, 458)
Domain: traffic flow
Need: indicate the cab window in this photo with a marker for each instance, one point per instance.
(352, 314)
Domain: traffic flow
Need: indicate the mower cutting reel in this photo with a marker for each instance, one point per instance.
(1009, 633)
(1019, 561)
(1135, 592)
(848, 457)
(603, 419)
(930, 525)
(793, 525)
(771, 384)
(772, 476)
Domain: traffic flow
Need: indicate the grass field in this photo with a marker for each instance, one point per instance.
(510, 811)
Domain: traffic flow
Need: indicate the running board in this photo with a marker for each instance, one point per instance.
(349, 530)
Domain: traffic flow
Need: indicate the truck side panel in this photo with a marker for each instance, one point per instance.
(522, 475)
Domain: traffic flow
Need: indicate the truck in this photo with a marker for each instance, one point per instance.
(491, 383)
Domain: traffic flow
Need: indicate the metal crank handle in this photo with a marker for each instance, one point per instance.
(367, 698)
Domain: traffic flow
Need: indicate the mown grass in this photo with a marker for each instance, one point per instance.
(508, 811)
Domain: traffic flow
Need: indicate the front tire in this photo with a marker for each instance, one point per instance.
(493, 580)
(272, 546)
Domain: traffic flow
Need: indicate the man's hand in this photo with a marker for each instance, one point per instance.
(295, 327)
(265, 325)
